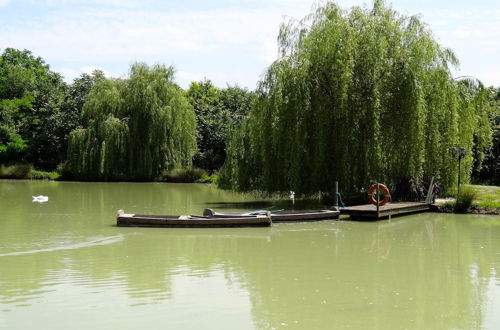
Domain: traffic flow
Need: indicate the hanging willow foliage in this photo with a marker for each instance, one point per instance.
(356, 97)
(136, 128)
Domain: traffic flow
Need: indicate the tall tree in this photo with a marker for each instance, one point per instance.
(359, 96)
(30, 99)
(135, 128)
(72, 106)
(217, 110)
(488, 171)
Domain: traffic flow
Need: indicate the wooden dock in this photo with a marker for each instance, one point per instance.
(369, 211)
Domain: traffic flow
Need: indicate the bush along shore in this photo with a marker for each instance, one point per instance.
(27, 172)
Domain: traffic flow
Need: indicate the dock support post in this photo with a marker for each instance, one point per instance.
(336, 194)
(378, 202)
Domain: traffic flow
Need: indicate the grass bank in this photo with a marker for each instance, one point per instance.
(487, 196)
(476, 199)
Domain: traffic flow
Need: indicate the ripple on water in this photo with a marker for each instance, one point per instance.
(95, 241)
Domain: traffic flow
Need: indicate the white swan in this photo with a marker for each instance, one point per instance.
(40, 199)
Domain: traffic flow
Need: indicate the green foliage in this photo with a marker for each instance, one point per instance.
(136, 128)
(241, 169)
(464, 199)
(12, 146)
(30, 99)
(15, 171)
(42, 175)
(216, 110)
(21, 72)
(212, 120)
(72, 106)
(237, 101)
(488, 171)
(356, 97)
(205, 178)
(20, 171)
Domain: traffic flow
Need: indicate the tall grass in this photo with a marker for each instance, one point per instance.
(464, 199)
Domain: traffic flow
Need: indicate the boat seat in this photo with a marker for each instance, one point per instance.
(208, 212)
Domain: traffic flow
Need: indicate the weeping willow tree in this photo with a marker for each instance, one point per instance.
(135, 128)
(357, 97)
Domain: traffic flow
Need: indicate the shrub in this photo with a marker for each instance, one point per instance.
(64, 172)
(465, 199)
(15, 171)
(189, 175)
(41, 175)
(205, 178)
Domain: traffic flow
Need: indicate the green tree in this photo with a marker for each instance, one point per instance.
(12, 146)
(488, 172)
(72, 106)
(359, 96)
(30, 99)
(217, 110)
(212, 120)
(237, 101)
(135, 128)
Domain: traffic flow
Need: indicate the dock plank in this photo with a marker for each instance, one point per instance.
(369, 211)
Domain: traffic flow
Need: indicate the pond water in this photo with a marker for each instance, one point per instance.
(65, 265)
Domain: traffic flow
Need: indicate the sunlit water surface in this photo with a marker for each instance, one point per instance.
(65, 265)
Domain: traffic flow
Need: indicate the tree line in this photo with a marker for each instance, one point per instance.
(357, 96)
(99, 128)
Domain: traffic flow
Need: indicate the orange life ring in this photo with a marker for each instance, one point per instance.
(372, 194)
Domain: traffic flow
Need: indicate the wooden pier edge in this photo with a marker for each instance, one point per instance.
(369, 211)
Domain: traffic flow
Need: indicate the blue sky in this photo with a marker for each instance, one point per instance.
(229, 42)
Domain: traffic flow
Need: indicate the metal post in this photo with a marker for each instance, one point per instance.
(336, 194)
(458, 153)
(378, 202)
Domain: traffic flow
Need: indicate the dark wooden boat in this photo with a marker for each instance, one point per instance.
(144, 220)
(284, 216)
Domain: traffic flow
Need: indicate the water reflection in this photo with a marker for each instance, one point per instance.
(425, 271)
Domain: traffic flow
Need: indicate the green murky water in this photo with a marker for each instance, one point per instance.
(64, 265)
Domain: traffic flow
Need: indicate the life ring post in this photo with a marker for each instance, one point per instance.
(375, 190)
(378, 201)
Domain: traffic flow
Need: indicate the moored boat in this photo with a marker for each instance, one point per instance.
(144, 220)
(284, 216)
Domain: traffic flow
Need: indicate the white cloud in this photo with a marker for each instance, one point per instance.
(90, 69)
(59, 3)
(128, 34)
(231, 43)
(4, 2)
(226, 43)
(69, 74)
(491, 76)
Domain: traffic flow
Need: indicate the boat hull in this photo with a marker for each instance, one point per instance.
(141, 220)
(287, 216)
